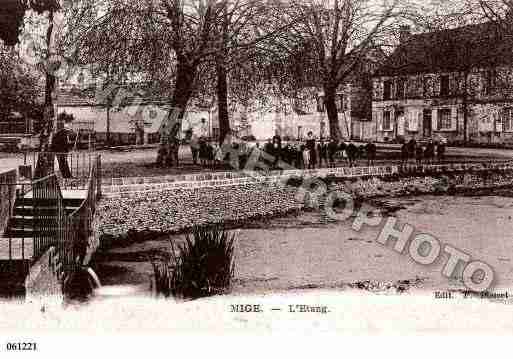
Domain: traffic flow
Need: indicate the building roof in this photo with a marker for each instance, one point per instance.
(479, 45)
(88, 97)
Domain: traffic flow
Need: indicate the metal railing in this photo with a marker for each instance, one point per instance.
(72, 168)
(34, 217)
(49, 214)
(77, 226)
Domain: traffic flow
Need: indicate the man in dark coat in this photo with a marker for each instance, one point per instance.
(370, 148)
(429, 154)
(440, 151)
(332, 151)
(352, 152)
(277, 149)
(322, 149)
(311, 147)
(61, 146)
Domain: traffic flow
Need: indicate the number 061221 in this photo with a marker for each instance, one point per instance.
(21, 346)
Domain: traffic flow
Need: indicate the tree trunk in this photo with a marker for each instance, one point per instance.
(465, 107)
(49, 114)
(222, 101)
(169, 141)
(107, 139)
(331, 109)
(222, 81)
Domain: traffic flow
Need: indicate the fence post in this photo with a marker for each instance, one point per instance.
(99, 176)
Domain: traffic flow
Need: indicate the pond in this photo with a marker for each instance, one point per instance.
(303, 252)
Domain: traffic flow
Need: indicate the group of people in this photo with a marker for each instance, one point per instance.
(208, 153)
(312, 153)
(420, 153)
(304, 154)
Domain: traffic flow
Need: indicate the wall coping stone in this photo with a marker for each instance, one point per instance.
(133, 185)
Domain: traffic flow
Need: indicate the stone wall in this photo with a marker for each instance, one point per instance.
(131, 186)
(126, 187)
(136, 215)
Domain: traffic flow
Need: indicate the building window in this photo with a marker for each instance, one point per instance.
(444, 85)
(401, 84)
(427, 86)
(444, 119)
(507, 119)
(320, 104)
(489, 81)
(387, 121)
(387, 90)
(341, 103)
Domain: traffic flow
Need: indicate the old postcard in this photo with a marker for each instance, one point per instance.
(255, 166)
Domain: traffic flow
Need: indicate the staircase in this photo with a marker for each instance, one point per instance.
(9, 144)
(17, 241)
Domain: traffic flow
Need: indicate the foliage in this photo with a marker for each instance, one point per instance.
(19, 91)
(12, 14)
(203, 266)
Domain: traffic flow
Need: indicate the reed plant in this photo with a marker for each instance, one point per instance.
(201, 266)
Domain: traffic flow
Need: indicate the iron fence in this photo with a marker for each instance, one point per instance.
(48, 218)
(13, 245)
(34, 215)
(78, 226)
(72, 168)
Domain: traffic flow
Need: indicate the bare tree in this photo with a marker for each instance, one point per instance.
(164, 40)
(341, 33)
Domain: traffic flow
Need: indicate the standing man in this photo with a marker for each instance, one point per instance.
(370, 149)
(440, 150)
(332, 151)
(310, 146)
(61, 146)
(276, 149)
(195, 148)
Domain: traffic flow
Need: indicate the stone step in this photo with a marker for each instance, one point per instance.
(18, 221)
(66, 202)
(28, 211)
(27, 232)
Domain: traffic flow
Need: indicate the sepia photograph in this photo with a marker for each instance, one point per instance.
(255, 166)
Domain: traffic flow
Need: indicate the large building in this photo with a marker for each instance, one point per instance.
(132, 116)
(454, 84)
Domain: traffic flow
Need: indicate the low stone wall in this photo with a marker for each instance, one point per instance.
(177, 210)
(44, 282)
(128, 187)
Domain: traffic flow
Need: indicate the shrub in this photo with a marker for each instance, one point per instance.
(202, 266)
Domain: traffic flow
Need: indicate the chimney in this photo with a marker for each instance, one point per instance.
(404, 33)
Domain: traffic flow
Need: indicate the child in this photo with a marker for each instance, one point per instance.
(218, 155)
(306, 156)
